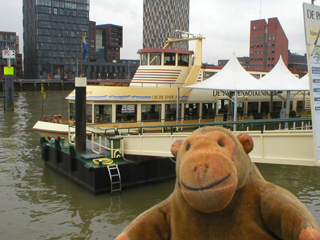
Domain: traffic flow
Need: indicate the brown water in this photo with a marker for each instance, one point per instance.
(39, 203)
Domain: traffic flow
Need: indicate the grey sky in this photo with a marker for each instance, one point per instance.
(224, 23)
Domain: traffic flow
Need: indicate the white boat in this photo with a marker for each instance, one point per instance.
(151, 97)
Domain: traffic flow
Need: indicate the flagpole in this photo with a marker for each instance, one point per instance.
(41, 100)
(81, 53)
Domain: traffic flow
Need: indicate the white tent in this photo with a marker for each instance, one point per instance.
(281, 79)
(232, 77)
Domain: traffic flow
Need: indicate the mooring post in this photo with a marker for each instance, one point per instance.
(8, 88)
(81, 87)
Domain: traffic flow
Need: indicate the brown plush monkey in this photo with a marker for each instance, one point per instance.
(220, 194)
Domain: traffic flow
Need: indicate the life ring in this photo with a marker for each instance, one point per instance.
(117, 154)
(102, 161)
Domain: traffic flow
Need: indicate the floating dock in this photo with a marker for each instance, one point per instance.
(99, 178)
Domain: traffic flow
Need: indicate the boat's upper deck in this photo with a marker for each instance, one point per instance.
(162, 67)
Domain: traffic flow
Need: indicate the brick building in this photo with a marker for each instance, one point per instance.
(267, 42)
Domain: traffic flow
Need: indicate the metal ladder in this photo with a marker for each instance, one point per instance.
(115, 178)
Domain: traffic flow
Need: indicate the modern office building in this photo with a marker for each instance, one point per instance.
(53, 37)
(267, 42)
(10, 40)
(104, 60)
(161, 19)
(105, 42)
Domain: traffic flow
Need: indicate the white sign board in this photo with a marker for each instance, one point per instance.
(312, 34)
(8, 53)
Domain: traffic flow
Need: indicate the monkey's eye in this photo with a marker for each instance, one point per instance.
(188, 146)
(221, 143)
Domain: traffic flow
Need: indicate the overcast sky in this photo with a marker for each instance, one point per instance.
(224, 23)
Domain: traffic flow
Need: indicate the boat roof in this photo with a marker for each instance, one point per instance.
(136, 94)
(161, 50)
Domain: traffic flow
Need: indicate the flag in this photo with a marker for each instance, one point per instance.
(43, 93)
(84, 47)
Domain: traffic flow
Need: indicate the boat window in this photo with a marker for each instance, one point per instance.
(208, 110)
(89, 113)
(151, 112)
(171, 111)
(155, 59)
(253, 107)
(170, 59)
(277, 106)
(183, 60)
(102, 113)
(240, 108)
(72, 111)
(300, 106)
(191, 111)
(265, 106)
(126, 113)
(144, 58)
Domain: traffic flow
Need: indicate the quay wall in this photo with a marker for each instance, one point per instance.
(50, 84)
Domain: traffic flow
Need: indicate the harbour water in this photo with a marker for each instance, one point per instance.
(39, 203)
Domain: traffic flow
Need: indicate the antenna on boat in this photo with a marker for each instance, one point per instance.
(185, 34)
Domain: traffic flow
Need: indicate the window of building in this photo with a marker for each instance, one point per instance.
(44, 2)
(44, 17)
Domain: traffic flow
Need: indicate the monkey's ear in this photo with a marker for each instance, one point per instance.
(175, 147)
(246, 142)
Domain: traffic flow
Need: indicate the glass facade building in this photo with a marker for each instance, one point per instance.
(161, 19)
(52, 37)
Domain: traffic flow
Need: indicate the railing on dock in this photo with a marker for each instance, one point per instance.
(248, 125)
(100, 143)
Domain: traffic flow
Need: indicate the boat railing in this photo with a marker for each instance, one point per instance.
(102, 141)
(158, 84)
(261, 125)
